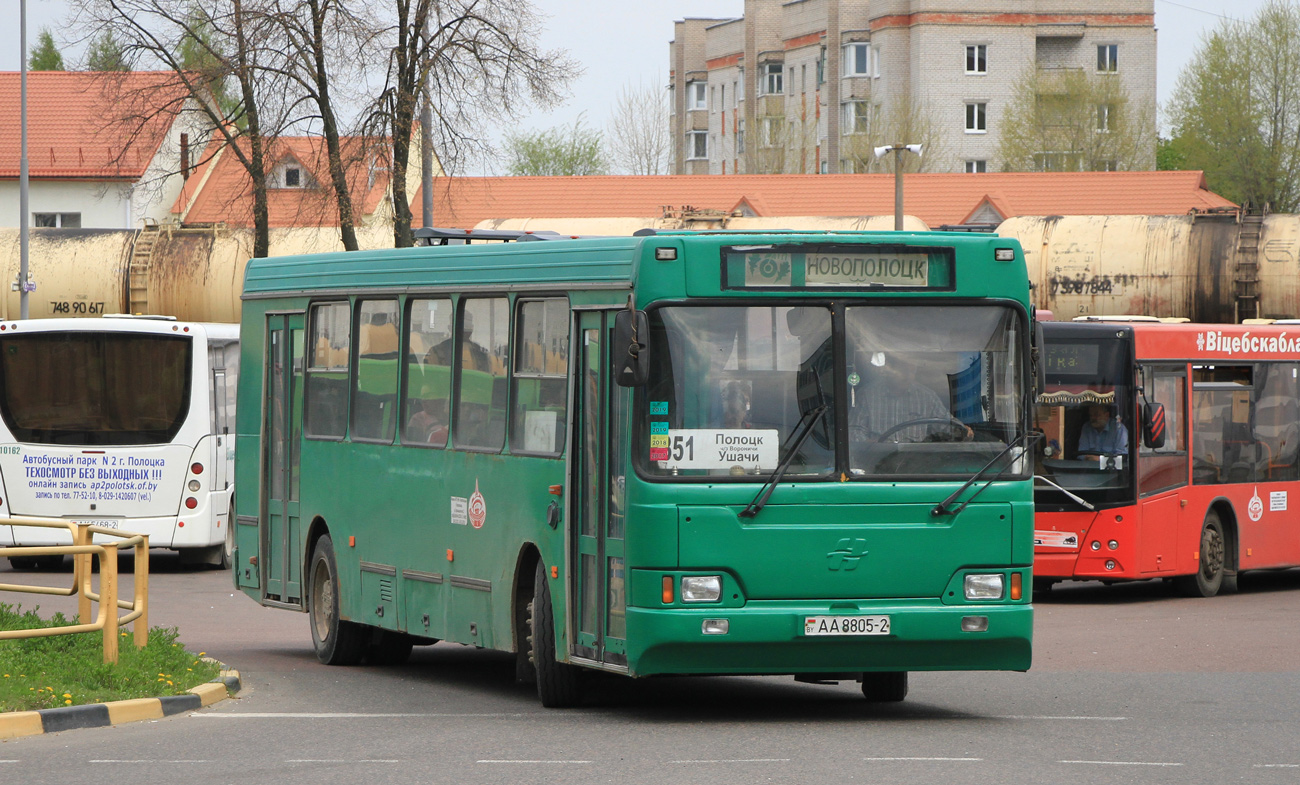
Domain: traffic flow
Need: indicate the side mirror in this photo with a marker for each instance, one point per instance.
(1153, 425)
(630, 353)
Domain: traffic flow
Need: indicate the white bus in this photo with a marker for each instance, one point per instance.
(123, 421)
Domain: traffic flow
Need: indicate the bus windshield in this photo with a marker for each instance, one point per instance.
(95, 389)
(929, 391)
(1087, 442)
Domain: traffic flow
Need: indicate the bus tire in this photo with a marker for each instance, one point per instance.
(22, 562)
(1208, 578)
(557, 682)
(884, 687)
(389, 648)
(337, 642)
(228, 547)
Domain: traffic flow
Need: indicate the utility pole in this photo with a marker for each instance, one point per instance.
(23, 218)
(897, 150)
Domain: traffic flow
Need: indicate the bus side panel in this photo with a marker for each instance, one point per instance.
(245, 570)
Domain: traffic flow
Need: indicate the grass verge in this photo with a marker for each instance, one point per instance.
(68, 670)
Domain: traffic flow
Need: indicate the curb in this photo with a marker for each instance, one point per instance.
(95, 715)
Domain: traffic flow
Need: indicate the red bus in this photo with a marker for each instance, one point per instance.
(1169, 451)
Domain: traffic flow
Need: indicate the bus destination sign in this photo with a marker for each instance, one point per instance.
(838, 266)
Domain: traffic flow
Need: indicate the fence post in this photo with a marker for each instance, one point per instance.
(108, 599)
(141, 634)
(81, 571)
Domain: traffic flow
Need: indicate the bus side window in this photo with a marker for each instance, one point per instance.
(541, 369)
(483, 341)
(1277, 417)
(375, 397)
(427, 399)
(327, 371)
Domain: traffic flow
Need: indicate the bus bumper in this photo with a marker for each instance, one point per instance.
(767, 638)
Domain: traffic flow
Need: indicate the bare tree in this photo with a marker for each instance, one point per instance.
(906, 122)
(1069, 120)
(479, 60)
(322, 41)
(639, 135)
(235, 38)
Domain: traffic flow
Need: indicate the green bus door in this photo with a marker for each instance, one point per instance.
(598, 463)
(282, 435)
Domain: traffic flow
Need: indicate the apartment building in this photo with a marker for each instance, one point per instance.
(812, 86)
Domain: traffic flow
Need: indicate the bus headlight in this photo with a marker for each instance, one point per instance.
(701, 588)
(982, 586)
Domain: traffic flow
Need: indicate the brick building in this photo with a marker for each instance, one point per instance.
(810, 86)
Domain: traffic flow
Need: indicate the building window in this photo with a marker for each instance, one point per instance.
(292, 177)
(857, 60)
(772, 80)
(699, 144)
(976, 166)
(740, 137)
(1107, 58)
(825, 167)
(846, 166)
(976, 122)
(977, 59)
(769, 131)
(57, 220)
(696, 97)
(1103, 118)
(856, 117)
(739, 91)
(821, 68)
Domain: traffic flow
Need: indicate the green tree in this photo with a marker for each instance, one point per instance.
(862, 130)
(1068, 120)
(1235, 112)
(45, 57)
(559, 151)
(1170, 155)
(106, 54)
(199, 54)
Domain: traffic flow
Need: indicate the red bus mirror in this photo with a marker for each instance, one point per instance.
(1153, 425)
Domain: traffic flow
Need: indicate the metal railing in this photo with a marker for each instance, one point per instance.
(82, 550)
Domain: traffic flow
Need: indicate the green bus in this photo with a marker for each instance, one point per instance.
(794, 453)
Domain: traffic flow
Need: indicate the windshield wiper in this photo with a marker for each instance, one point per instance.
(1082, 502)
(942, 507)
(807, 423)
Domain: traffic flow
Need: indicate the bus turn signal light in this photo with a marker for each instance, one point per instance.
(668, 590)
(1015, 585)
(557, 490)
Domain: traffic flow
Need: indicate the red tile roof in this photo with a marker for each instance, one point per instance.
(936, 199)
(219, 189)
(77, 126)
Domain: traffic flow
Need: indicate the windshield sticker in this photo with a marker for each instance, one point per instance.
(658, 408)
(1277, 501)
(705, 448)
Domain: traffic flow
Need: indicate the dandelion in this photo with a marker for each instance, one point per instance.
(67, 703)
(67, 695)
(169, 683)
(191, 670)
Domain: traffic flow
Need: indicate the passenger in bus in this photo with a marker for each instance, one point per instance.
(892, 396)
(428, 421)
(1103, 434)
(735, 403)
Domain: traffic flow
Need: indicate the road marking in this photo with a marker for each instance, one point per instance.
(329, 715)
(1120, 762)
(146, 760)
(1257, 765)
(1033, 717)
(532, 761)
(736, 760)
(939, 759)
(340, 760)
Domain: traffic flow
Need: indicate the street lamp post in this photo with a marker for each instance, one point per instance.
(898, 149)
(22, 168)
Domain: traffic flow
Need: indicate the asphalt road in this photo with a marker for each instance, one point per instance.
(1130, 685)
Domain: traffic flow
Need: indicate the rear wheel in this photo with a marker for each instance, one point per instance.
(1213, 556)
(558, 683)
(22, 562)
(228, 547)
(884, 687)
(1043, 586)
(389, 648)
(337, 642)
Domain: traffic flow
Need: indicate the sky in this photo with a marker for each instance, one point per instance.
(621, 43)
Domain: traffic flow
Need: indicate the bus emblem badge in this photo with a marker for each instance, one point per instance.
(477, 508)
(848, 552)
(1256, 507)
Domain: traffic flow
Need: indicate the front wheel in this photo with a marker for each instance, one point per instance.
(1210, 567)
(337, 642)
(558, 683)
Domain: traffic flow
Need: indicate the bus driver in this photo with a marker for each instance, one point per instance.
(1102, 435)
